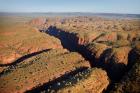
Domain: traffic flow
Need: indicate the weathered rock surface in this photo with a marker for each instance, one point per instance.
(116, 61)
(38, 21)
(19, 40)
(110, 44)
(91, 80)
(109, 36)
(97, 50)
(95, 82)
(40, 69)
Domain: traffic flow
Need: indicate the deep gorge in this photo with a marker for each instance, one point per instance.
(70, 42)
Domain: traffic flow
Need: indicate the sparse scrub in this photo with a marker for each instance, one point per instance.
(86, 80)
(32, 55)
(35, 73)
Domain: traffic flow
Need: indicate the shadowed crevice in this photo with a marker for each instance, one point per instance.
(53, 85)
(24, 58)
(114, 70)
(70, 42)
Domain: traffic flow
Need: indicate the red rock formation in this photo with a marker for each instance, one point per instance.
(109, 36)
(38, 21)
(24, 40)
(96, 82)
(97, 49)
(40, 69)
(116, 61)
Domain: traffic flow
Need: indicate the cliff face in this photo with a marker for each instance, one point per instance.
(130, 82)
(64, 55)
(111, 50)
(108, 53)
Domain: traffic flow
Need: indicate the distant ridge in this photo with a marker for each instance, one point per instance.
(69, 14)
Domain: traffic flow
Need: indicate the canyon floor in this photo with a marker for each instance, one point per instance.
(76, 54)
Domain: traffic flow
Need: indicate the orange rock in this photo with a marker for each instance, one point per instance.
(40, 69)
(116, 62)
(109, 36)
(97, 49)
(120, 55)
(38, 21)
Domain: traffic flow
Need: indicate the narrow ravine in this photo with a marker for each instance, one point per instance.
(70, 42)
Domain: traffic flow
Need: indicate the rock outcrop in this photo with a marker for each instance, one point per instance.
(24, 40)
(40, 69)
(96, 82)
(97, 50)
(38, 21)
(116, 61)
(92, 80)
(108, 36)
(70, 55)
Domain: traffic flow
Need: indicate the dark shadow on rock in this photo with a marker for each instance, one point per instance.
(101, 35)
(114, 70)
(102, 61)
(53, 85)
(115, 73)
(106, 61)
(24, 58)
(133, 56)
(70, 42)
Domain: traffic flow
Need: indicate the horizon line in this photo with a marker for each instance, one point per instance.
(72, 12)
